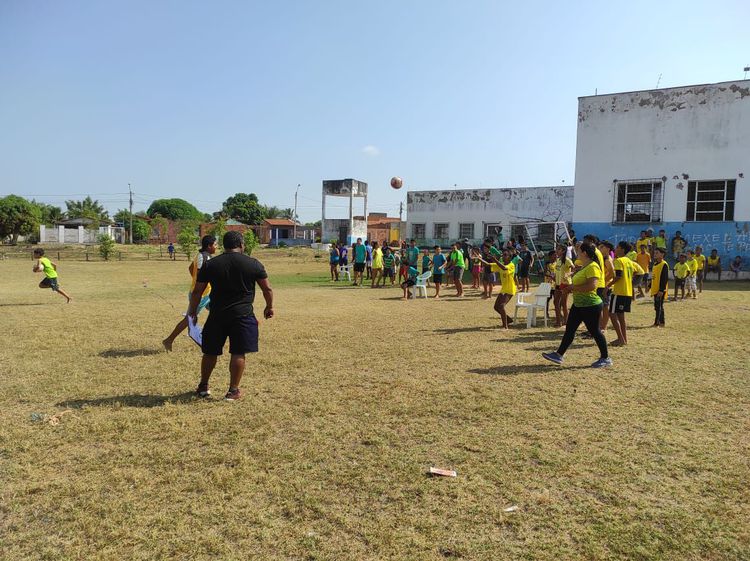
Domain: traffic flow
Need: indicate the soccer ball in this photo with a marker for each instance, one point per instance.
(397, 182)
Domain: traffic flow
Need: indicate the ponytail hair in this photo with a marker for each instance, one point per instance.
(589, 250)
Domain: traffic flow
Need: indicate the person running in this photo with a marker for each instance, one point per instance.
(170, 250)
(681, 273)
(359, 253)
(456, 259)
(438, 268)
(333, 261)
(586, 309)
(526, 262)
(563, 274)
(377, 264)
(713, 264)
(232, 276)
(622, 292)
(659, 285)
(50, 280)
(208, 248)
(701, 273)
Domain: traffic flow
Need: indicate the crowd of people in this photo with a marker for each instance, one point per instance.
(602, 279)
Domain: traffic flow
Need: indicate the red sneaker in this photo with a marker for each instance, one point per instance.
(233, 395)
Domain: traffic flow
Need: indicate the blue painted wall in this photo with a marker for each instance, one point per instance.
(728, 238)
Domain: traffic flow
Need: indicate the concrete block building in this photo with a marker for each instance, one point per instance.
(676, 159)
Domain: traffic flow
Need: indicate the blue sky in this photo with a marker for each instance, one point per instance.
(201, 100)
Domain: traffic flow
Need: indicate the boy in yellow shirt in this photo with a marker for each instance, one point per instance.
(50, 280)
(622, 292)
(681, 273)
(701, 260)
(659, 285)
(690, 284)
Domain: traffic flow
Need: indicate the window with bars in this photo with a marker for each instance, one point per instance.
(711, 201)
(440, 231)
(418, 231)
(638, 201)
(466, 230)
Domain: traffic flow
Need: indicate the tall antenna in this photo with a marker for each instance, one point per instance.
(747, 69)
(130, 191)
(658, 81)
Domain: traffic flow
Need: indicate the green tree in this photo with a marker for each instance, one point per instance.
(251, 241)
(243, 207)
(106, 246)
(219, 229)
(87, 208)
(187, 239)
(50, 213)
(18, 217)
(160, 226)
(141, 231)
(174, 209)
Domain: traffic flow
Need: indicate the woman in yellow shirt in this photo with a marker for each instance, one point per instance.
(507, 284)
(587, 307)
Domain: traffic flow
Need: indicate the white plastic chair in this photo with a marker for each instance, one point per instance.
(345, 270)
(533, 301)
(421, 285)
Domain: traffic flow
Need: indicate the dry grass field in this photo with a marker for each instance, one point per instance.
(105, 454)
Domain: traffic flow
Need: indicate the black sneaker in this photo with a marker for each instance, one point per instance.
(203, 391)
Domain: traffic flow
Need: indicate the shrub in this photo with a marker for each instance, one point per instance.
(106, 246)
(251, 242)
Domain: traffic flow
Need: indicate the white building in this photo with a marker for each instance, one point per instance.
(672, 159)
(442, 217)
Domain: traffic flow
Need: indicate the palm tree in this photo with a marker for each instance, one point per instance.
(87, 208)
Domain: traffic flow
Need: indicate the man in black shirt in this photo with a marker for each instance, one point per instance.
(233, 276)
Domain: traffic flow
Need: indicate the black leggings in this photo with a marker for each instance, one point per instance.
(659, 309)
(588, 315)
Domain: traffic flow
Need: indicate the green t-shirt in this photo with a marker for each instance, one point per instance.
(457, 257)
(388, 261)
(585, 299)
(49, 270)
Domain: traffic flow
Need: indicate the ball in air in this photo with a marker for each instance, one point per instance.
(397, 182)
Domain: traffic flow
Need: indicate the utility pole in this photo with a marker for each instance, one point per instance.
(295, 211)
(130, 191)
(400, 211)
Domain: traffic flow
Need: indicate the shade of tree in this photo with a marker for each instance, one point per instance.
(174, 209)
(87, 208)
(18, 217)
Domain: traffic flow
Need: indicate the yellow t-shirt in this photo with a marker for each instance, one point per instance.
(507, 282)
(49, 270)
(701, 259)
(551, 271)
(692, 265)
(681, 270)
(624, 285)
(644, 260)
(591, 298)
(642, 242)
(637, 269)
(377, 258)
(658, 270)
(563, 271)
(713, 261)
(600, 262)
(608, 273)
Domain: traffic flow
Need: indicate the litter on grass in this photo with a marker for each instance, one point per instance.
(513, 508)
(442, 472)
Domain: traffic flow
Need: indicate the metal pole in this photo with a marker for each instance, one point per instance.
(131, 213)
(295, 211)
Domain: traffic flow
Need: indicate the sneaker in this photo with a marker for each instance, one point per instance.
(553, 357)
(602, 363)
(203, 391)
(233, 395)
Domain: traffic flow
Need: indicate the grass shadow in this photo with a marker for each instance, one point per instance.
(133, 400)
(457, 330)
(514, 370)
(129, 353)
(23, 304)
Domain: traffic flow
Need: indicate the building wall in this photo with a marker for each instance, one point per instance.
(332, 226)
(675, 135)
(486, 206)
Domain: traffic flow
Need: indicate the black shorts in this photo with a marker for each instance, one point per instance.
(458, 273)
(679, 283)
(50, 283)
(619, 304)
(523, 272)
(388, 272)
(359, 267)
(437, 278)
(242, 333)
(408, 283)
(699, 275)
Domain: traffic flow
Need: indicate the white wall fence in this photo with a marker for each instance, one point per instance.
(78, 235)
